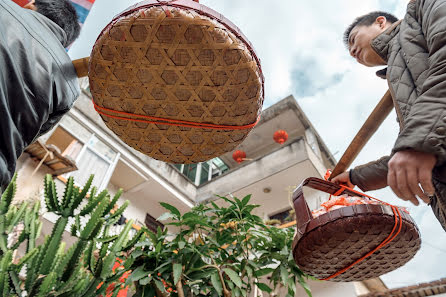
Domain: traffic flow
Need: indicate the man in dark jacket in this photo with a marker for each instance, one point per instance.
(414, 50)
(38, 83)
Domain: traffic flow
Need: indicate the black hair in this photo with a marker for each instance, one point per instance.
(367, 20)
(63, 14)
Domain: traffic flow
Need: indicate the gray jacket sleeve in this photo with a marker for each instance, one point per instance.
(425, 126)
(371, 176)
(38, 82)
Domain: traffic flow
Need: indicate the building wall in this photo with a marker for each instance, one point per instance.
(327, 289)
(30, 184)
(253, 172)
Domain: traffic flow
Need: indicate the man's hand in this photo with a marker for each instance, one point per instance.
(408, 169)
(343, 178)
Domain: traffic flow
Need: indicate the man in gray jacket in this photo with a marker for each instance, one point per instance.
(414, 50)
(38, 82)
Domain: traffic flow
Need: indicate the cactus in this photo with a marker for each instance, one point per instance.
(51, 269)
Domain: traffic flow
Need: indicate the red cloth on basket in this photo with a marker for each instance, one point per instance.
(343, 201)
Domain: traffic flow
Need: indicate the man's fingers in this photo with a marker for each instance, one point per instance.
(413, 184)
(392, 182)
(343, 178)
(425, 177)
(403, 186)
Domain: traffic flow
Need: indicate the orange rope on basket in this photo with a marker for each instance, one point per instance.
(168, 122)
(389, 238)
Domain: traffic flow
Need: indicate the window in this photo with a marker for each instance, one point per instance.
(283, 216)
(92, 156)
(218, 167)
(203, 172)
(152, 223)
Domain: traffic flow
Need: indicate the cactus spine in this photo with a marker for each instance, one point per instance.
(51, 270)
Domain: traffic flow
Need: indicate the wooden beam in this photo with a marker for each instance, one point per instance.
(81, 66)
(373, 122)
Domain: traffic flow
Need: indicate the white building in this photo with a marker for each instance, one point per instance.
(271, 172)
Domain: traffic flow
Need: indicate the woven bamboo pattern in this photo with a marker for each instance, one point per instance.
(335, 245)
(181, 62)
(328, 243)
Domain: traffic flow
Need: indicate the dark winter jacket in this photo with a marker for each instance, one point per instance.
(415, 51)
(38, 83)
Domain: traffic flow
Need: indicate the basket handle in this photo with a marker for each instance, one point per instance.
(302, 211)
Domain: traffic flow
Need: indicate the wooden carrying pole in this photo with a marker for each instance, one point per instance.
(376, 118)
(81, 66)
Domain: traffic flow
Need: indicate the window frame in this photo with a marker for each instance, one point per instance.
(212, 168)
(85, 145)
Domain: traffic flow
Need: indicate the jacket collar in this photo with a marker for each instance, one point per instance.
(53, 27)
(381, 43)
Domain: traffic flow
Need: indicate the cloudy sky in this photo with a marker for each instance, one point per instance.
(300, 45)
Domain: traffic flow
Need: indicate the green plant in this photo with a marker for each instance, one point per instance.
(50, 269)
(217, 251)
(272, 222)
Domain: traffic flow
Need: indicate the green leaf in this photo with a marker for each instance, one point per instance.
(145, 281)
(68, 194)
(78, 199)
(158, 247)
(27, 257)
(166, 216)
(117, 215)
(107, 239)
(215, 279)
(292, 284)
(262, 272)
(16, 282)
(177, 271)
(160, 286)
(249, 271)
(93, 202)
(304, 285)
(284, 274)
(113, 202)
(239, 203)
(243, 292)
(181, 244)
(52, 247)
(134, 240)
(172, 209)
(246, 200)
(138, 274)
(136, 254)
(233, 276)
(264, 287)
(18, 216)
(7, 196)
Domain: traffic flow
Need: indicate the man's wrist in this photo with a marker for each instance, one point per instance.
(350, 176)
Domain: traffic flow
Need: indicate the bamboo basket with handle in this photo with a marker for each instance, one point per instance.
(175, 80)
(328, 245)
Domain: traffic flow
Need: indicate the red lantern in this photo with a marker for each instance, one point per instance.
(280, 136)
(239, 156)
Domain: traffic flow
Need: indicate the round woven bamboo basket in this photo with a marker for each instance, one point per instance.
(327, 244)
(176, 81)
